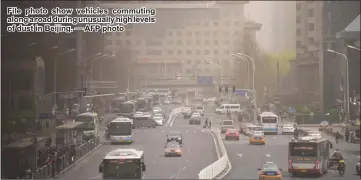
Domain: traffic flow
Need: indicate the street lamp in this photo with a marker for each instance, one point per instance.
(103, 57)
(220, 67)
(353, 47)
(246, 69)
(55, 70)
(346, 99)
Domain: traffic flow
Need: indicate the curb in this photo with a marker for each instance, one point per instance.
(76, 162)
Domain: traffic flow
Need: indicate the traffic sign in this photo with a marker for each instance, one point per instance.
(241, 92)
(207, 80)
(291, 110)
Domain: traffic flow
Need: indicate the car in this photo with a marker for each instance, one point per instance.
(232, 134)
(257, 139)
(288, 129)
(157, 110)
(227, 124)
(315, 134)
(195, 120)
(172, 148)
(248, 130)
(138, 113)
(270, 171)
(166, 101)
(175, 136)
(159, 120)
(257, 133)
(200, 110)
(243, 128)
(186, 110)
(358, 168)
(196, 114)
(323, 126)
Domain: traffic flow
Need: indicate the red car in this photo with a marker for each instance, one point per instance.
(232, 134)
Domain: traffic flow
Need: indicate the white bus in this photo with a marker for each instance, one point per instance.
(115, 103)
(123, 164)
(128, 109)
(120, 130)
(91, 124)
(269, 121)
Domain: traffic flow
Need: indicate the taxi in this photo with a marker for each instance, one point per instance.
(270, 171)
(257, 139)
(173, 148)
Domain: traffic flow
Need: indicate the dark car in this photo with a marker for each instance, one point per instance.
(175, 137)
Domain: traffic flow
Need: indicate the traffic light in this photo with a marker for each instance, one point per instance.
(226, 88)
(220, 88)
(234, 89)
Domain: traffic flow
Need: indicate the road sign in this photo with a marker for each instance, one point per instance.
(204, 80)
(241, 92)
(291, 110)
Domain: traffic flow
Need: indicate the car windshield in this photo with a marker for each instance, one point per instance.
(200, 108)
(270, 167)
(157, 109)
(288, 125)
(225, 123)
(172, 145)
(257, 133)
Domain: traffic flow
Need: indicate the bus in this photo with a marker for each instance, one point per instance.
(91, 124)
(128, 109)
(142, 104)
(269, 121)
(150, 103)
(123, 164)
(308, 155)
(120, 130)
(115, 103)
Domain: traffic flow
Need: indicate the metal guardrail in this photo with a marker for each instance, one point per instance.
(64, 161)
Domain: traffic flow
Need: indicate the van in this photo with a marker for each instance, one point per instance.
(231, 107)
(227, 124)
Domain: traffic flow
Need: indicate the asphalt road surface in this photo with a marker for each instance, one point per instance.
(199, 152)
(246, 159)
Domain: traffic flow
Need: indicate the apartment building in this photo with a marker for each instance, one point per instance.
(320, 74)
(187, 32)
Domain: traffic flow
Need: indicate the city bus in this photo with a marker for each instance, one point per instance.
(115, 103)
(308, 155)
(142, 104)
(128, 109)
(120, 130)
(269, 121)
(91, 124)
(123, 164)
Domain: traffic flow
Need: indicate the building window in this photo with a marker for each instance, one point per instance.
(215, 33)
(189, 71)
(311, 26)
(154, 52)
(179, 42)
(206, 33)
(151, 42)
(225, 33)
(170, 42)
(226, 23)
(128, 33)
(298, 32)
(180, 52)
(179, 33)
(189, 61)
(215, 23)
(198, 61)
(311, 40)
(237, 23)
(206, 52)
(189, 52)
(137, 42)
(198, 52)
(170, 52)
(118, 34)
(226, 52)
(198, 33)
(206, 24)
(189, 42)
(189, 33)
(170, 33)
(298, 44)
(118, 42)
(109, 42)
(198, 42)
(206, 42)
(237, 13)
(311, 13)
(215, 42)
(298, 19)
(226, 42)
(129, 42)
(237, 33)
(215, 52)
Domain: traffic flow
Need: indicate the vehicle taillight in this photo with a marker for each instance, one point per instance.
(278, 173)
(290, 164)
(227, 133)
(317, 165)
(237, 134)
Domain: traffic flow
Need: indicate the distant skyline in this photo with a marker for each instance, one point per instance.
(276, 34)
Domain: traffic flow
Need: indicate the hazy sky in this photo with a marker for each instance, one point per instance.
(261, 12)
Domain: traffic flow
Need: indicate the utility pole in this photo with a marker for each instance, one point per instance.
(278, 76)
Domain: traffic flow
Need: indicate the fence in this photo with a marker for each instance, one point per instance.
(65, 161)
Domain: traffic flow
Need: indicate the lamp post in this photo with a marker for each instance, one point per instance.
(346, 99)
(246, 69)
(55, 70)
(353, 47)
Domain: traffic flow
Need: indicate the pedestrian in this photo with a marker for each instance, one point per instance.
(347, 134)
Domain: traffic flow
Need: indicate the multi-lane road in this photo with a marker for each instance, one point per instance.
(246, 159)
(199, 152)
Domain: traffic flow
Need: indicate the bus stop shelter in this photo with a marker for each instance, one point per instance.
(68, 134)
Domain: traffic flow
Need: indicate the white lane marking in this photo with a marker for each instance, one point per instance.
(184, 168)
(171, 177)
(274, 137)
(143, 176)
(187, 160)
(216, 145)
(202, 130)
(174, 117)
(187, 130)
(99, 176)
(268, 155)
(162, 131)
(240, 155)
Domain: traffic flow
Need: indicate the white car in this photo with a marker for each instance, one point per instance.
(257, 133)
(158, 120)
(200, 110)
(288, 129)
(186, 110)
(138, 113)
(315, 134)
(196, 114)
(166, 101)
(157, 110)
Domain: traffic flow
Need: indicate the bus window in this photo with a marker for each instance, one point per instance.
(303, 149)
(269, 120)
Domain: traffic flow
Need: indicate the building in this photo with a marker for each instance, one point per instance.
(187, 32)
(283, 26)
(320, 73)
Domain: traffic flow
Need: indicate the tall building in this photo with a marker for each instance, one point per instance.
(320, 73)
(187, 32)
(283, 25)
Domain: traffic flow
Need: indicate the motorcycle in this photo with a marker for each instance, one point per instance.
(341, 168)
